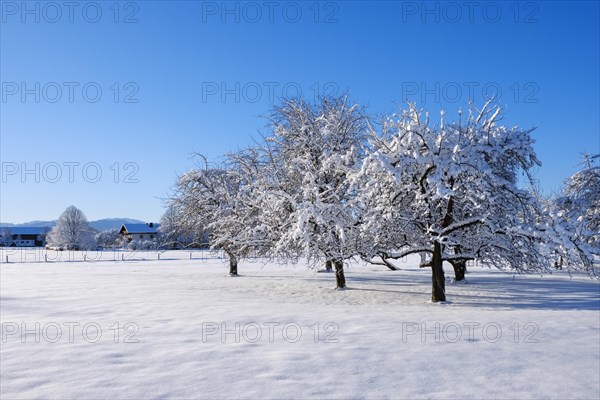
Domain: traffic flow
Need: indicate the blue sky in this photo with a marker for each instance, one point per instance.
(104, 103)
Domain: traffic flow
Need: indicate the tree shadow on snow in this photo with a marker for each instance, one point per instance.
(492, 290)
(527, 292)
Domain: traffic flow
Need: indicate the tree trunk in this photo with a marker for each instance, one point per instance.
(328, 266)
(340, 279)
(232, 264)
(460, 267)
(558, 264)
(438, 290)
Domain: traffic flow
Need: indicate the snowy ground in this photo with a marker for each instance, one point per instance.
(530, 337)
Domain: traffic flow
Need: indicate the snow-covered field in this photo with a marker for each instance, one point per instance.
(181, 328)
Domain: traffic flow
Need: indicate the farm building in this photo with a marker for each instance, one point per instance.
(24, 236)
(141, 232)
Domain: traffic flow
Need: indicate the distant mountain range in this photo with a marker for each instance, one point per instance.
(99, 225)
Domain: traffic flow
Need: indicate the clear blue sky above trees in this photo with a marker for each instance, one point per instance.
(183, 77)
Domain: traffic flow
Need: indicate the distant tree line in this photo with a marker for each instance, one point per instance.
(73, 232)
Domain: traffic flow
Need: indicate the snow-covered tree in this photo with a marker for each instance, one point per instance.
(311, 152)
(170, 227)
(141, 244)
(175, 232)
(576, 217)
(450, 191)
(110, 238)
(72, 231)
(218, 201)
(5, 236)
(582, 199)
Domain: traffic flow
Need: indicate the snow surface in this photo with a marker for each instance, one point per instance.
(176, 300)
